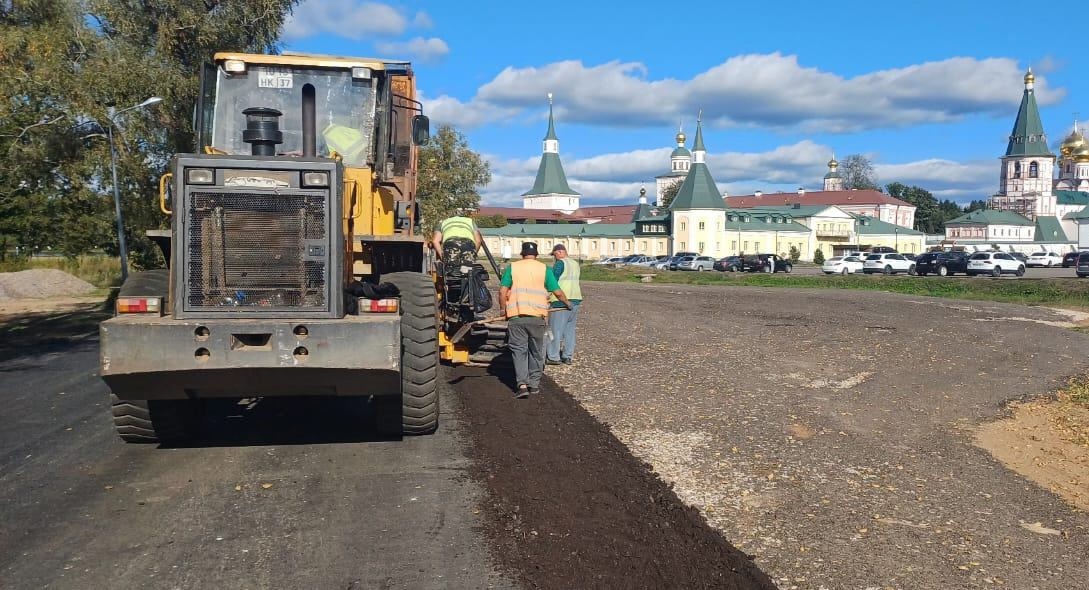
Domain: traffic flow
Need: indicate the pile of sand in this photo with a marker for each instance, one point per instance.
(41, 282)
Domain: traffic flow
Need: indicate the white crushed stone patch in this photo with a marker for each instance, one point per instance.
(1055, 323)
(38, 283)
(848, 383)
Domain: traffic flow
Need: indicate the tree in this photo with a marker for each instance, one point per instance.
(976, 205)
(858, 173)
(449, 177)
(491, 221)
(63, 63)
(670, 192)
(795, 254)
(818, 256)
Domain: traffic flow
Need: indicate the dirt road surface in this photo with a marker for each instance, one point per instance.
(830, 433)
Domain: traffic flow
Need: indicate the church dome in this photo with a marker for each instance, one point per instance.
(1081, 154)
(681, 152)
(1073, 142)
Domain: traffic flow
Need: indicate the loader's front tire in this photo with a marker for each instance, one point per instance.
(154, 421)
(419, 356)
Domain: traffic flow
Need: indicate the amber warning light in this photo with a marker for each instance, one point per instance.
(144, 305)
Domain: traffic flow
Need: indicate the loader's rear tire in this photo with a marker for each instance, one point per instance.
(419, 356)
(154, 421)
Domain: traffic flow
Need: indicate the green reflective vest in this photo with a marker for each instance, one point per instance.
(457, 227)
(569, 280)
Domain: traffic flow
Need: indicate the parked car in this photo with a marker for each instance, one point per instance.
(908, 255)
(675, 262)
(763, 263)
(1071, 258)
(941, 263)
(850, 253)
(1019, 256)
(729, 263)
(887, 263)
(882, 250)
(1081, 267)
(612, 260)
(842, 265)
(665, 263)
(994, 264)
(692, 254)
(697, 263)
(638, 260)
(1044, 259)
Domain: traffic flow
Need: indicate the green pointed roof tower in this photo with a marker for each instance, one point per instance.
(1027, 137)
(699, 190)
(551, 180)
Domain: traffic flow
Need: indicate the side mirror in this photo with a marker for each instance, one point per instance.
(421, 130)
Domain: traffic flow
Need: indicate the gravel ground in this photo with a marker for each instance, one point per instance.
(830, 433)
(41, 282)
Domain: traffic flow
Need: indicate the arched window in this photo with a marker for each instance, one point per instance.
(1017, 169)
(1034, 170)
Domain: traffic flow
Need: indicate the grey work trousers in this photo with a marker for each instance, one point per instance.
(525, 338)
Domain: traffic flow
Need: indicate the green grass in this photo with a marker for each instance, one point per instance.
(101, 271)
(1056, 292)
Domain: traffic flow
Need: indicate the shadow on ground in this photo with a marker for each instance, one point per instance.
(39, 333)
(285, 421)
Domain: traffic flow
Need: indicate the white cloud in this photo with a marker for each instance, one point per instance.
(350, 19)
(615, 178)
(422, 20)
(429, 49)
(764, 90)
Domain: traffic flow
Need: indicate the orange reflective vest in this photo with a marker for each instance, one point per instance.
(527, 293)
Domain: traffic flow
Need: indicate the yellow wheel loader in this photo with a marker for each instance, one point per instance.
(296, 264)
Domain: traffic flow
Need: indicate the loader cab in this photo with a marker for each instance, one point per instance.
(358, 111)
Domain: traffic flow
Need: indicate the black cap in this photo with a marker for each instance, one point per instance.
(529, 248)
(558, 247)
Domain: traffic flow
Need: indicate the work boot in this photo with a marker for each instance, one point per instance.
(551, 362)
(522, 392)
(568, 361)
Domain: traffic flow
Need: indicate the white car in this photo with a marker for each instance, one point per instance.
(887, 263)
(613, 260)
(842, 265)
(1044, 259)
(995, 264)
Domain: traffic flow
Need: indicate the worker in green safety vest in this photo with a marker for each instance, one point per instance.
(457, 240)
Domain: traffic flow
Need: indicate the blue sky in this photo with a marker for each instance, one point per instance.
(927, 89)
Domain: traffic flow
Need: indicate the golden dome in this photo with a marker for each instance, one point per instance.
(681, 138)
(1029, 78)
(1081, 154)
(833, 163)
(1073, 142)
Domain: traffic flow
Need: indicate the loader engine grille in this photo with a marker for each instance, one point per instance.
(256, 251)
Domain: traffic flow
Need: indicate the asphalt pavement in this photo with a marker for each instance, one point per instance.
(280, 494)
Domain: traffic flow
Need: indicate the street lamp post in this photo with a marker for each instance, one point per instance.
(897, 232)
(122, 247)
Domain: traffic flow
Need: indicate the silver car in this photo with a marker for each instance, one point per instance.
(696, 263)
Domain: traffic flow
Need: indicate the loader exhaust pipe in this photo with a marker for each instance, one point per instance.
(262, 130)
(309, 121)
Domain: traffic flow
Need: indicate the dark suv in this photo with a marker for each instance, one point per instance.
(941, 263)
(763, 263)
(1082, 263)
(1071, 258)
(729, 263)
